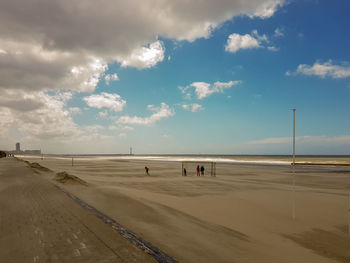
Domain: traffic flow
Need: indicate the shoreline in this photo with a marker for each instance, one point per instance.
(234, 159)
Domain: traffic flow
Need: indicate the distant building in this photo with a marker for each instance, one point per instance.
(19, 151)
(18, 147)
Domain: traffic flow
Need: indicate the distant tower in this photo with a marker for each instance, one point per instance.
(18, 147)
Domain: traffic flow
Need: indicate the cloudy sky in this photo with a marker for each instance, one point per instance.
(166, 76)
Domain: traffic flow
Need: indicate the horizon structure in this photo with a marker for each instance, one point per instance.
(195, 79)
(18, 147)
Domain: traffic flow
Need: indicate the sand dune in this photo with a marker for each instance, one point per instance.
(65, 178)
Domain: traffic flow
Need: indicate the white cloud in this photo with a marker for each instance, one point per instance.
(103, 114)
(110, 77)
(268, 8)
(260, 38)
(145, 57)
(70, 46)
(30, 67)
(49, 52)
(183, 89)
(272, 48)
(203, 89)
(75, 110)
(220, 86)
(278, 32)
(188, 96)
(20, 101)
(42, 116)
(43, 122)
(87, 77)
(105, 100)
(193, 107)
(326, 69)
(120, 128)
(236, 42)
(164, 111)
(93, 128)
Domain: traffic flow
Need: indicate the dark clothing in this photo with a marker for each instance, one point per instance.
(202, 170)
(198, 170)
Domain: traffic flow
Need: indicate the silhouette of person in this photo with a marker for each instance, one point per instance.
(185, 172)
(146, 169)
(202, 170)
(198, 170)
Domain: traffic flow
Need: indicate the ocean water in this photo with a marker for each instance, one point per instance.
(239, 159)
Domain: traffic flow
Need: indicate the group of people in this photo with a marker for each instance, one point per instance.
(199, 170)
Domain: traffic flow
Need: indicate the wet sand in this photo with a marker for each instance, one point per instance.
(242, 215)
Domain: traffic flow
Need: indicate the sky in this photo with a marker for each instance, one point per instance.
(163, 76)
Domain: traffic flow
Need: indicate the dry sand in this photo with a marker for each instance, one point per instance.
(40, 223)
(242, 215)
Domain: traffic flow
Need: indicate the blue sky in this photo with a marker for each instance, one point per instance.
(223, 89)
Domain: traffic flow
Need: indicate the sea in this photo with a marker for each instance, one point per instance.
(239, 159)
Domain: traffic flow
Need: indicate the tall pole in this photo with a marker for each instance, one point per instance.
(293, 209)
(349, 213)
(293, 136)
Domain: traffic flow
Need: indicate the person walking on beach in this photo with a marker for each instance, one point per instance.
(185, 172)
(198, 170)
(202, 170)
(146, 169)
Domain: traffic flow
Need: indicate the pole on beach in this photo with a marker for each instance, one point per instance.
(293, 212)
(293, 208)
(72, 161)
(349, 212)
(293, 136)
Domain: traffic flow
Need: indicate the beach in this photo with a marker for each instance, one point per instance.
(40, 223)
(248, 212)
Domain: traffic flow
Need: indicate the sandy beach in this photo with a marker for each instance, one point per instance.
(244, 214)
(40, 223)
